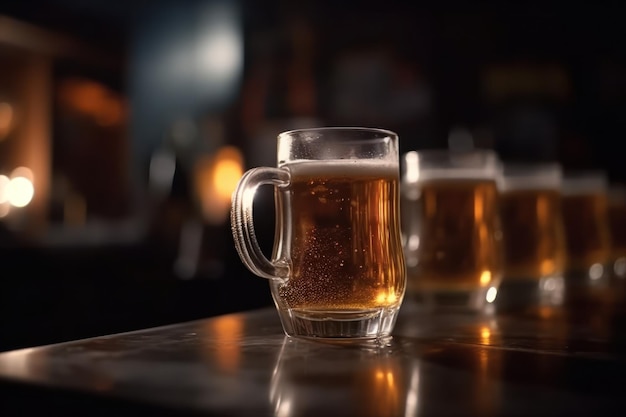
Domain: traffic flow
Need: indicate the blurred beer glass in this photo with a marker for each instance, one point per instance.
(587, 232)
(533, 234)
(451, 228)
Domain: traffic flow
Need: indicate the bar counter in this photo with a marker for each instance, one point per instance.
(549, 363)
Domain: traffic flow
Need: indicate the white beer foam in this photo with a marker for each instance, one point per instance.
(456, 174)
(343, 167)
(538, 176)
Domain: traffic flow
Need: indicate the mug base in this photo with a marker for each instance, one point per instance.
(340, 325)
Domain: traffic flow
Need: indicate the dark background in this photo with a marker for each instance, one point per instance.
(535, 81)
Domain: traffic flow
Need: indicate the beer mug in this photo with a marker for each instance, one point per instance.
(534, 240)
(588, 238)
(337, 268)
(451, 228)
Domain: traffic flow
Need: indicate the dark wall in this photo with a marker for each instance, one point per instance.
(532, 80)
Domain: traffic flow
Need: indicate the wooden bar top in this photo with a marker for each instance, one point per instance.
(243, 365)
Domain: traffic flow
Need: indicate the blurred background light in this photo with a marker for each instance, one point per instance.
(216, 177)
(19, 191)
(186, 60)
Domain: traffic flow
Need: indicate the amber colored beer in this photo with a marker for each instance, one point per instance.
(460, 240)
(586, 229)
(534, 241)
(346, 250)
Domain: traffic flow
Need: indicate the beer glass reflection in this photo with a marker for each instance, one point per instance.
(533, 234)
(370, 379)
(451, 228)
(585, 215)
(337, 269)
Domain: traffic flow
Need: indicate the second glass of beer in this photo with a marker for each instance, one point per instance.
(451, 228)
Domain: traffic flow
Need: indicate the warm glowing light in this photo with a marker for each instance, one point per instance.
(216, 178)
(384, 398)
(6, 119)
(485, 335)
(91, 98)
(384, 297)
(228, 332)
(226, 175)
(547, 267)
(20, 191)
(491, 295)
(546, 312)
(485, 278)
(479, 208)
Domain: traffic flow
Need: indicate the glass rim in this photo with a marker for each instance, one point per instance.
(441, 165)
(386, 132)
(531, 168)
(518, 176)
(450, 152)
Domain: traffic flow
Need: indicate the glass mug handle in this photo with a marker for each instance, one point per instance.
(242, 221)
